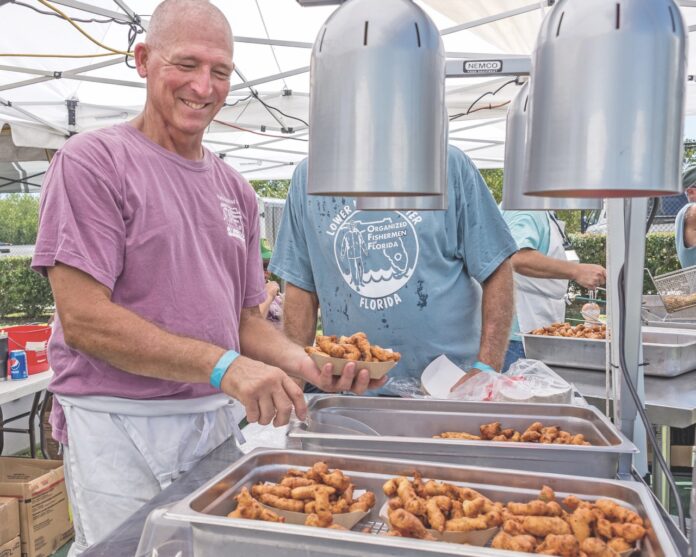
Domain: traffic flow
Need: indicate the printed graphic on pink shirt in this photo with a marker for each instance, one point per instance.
(233, 218)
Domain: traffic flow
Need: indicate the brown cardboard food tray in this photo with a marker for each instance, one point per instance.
(377, 369)
(475, 537)
(347, 520)
(480, 538)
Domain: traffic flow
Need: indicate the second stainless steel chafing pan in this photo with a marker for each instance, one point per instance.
(205, 511)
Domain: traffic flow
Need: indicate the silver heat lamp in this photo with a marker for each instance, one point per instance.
(402, 203)
(514, 198)
(414, 202)
(607, 100)
(375, 112)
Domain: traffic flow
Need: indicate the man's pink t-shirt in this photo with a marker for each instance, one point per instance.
(176, 241)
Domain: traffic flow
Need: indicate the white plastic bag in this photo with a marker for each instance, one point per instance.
(526, 381)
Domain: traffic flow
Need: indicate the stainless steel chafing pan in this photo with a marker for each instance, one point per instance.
(406, 428)
(205, 510)
(667, 352)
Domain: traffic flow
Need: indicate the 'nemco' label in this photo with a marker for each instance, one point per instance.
(483, 66)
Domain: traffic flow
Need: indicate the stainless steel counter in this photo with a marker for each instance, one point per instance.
(670, 401)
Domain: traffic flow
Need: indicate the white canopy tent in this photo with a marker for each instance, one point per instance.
(44, 100)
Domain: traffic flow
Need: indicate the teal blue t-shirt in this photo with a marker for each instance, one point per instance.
(687, 256)
(409, 279)
(531, 230)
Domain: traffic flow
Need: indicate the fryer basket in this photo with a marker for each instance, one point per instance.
(677, 289)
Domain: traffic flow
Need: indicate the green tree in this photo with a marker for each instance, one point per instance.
(19, 218)
(277, 189)
(689, 153)
(494, 180)
(572, 220)
(22, 290)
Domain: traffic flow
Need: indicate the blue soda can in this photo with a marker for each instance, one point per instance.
(17, 362)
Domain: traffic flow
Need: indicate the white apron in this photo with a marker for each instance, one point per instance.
(121, 453)
(540, 302)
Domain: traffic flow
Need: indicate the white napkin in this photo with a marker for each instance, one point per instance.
(265, 436)
(440, 376)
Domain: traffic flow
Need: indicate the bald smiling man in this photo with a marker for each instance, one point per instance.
(151, 246)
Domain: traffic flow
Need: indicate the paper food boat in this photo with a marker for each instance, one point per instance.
(347, 520)
(377, 369)
(475, 537)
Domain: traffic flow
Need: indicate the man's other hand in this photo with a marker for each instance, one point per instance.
(267, 392)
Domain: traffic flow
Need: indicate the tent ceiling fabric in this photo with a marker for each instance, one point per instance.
(109, 92)
(10, 151)
(514, 35)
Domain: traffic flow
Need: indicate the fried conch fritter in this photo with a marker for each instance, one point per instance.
(248, 507)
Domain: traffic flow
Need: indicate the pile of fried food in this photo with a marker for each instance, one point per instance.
(601, 528)
(674, 302)
(356, 347)
(416, 506)
(543, 526)
(597, 332)
(319, 492)
(535, 433)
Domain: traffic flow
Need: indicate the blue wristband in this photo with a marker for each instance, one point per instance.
(483, 367)
(221, 367)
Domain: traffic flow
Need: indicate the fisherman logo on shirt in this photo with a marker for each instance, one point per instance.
(376, 253)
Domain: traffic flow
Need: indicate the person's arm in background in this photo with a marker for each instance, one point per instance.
(300, 308)
(532, 263)
(300, 315)
(272, 289)
(497, 310)
(690, 227)
(485, 244)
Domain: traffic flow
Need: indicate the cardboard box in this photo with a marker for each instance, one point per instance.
(9, 520)
(39, 486)
(13, 548)
(680, 455)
